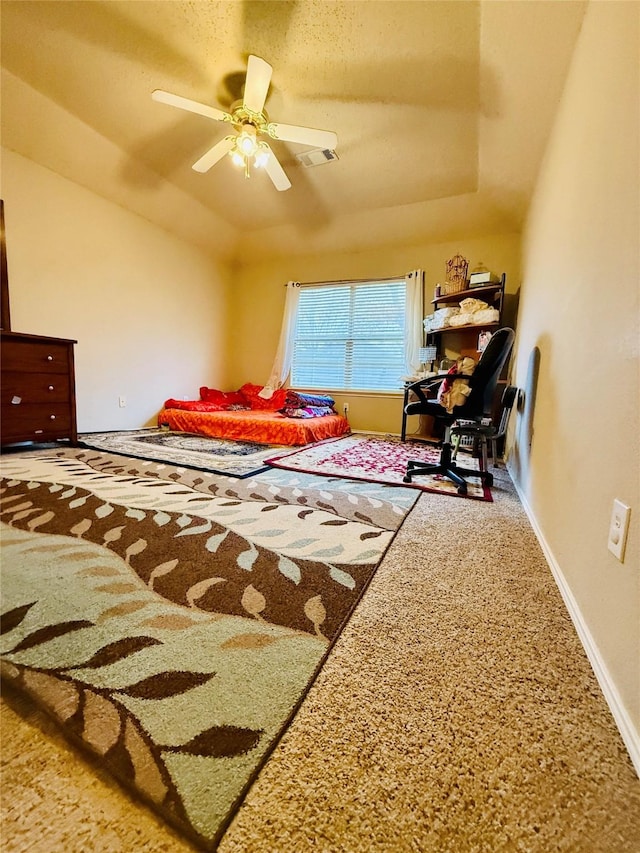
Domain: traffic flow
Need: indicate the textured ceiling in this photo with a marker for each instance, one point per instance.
(442, 109)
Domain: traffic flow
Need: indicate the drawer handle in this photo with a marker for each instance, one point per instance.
(15, 401)
(50, 388)
(49, 358)
(52, 417)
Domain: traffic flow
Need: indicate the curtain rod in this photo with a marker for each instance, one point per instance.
(348, 281)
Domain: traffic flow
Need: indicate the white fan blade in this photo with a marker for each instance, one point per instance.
(275, 171)
(305, 135)
(191, 106)
(214, 154)
(257, 84)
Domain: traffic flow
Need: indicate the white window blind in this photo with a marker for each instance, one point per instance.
(350, 336)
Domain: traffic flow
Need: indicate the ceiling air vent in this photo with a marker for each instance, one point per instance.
(316, 157)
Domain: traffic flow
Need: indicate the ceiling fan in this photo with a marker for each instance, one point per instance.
(250, 122)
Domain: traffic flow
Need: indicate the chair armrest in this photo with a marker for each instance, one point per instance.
(434, 380)
(420, 382)
(419, 387)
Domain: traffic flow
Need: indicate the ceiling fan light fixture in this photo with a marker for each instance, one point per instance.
(242, 152)
(262, 156)
(247, 143)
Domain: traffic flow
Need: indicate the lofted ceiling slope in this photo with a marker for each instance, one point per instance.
(442, 111)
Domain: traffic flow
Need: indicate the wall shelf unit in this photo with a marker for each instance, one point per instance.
(464, 339)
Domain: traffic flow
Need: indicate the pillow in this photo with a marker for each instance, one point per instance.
(300, 400)
(172, 404)
(307, 411)
(210, 394)
(250, 394)
(223, 398)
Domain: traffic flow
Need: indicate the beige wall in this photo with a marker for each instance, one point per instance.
(149, 311)
(258, 302)
(579, 308)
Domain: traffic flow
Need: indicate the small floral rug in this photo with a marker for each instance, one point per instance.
(214, 455)
(379, 460)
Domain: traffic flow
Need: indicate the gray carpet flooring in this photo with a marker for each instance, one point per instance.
(457, 713)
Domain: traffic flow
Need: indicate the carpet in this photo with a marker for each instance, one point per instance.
(215, 455)
(171, 621)
(378, 460)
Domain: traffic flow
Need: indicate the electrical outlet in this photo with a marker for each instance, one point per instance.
(618, 528)
(122, 402)
(345, 409)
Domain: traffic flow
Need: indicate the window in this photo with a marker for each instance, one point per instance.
(350, 336)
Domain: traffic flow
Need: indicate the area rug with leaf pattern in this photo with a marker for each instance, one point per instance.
(215, 455)
(172, 621)
(379, 460)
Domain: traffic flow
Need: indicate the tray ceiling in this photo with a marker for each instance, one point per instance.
(442, 110)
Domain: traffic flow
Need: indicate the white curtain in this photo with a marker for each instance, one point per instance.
(284, 353)
(414, 281)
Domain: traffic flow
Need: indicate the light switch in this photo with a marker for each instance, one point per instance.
(618, 529)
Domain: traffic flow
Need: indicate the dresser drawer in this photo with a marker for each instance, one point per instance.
(23, 388)
(33, 356)
(36, 421)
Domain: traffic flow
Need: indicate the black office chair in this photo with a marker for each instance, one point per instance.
(478, 406)
(486, 432)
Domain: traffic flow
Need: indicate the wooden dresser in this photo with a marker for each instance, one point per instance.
(38, 389)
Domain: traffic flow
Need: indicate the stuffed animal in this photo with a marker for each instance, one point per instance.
(454, 392)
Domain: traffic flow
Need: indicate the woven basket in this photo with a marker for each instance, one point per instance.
(456, 275)
(450, 287)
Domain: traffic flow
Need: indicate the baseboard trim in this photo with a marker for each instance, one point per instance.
(628, 731)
